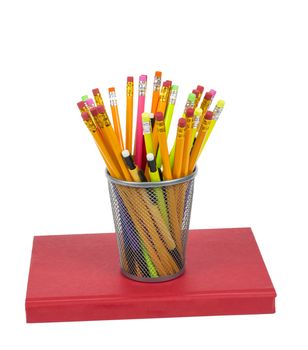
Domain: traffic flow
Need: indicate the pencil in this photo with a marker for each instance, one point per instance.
(115, 115)
(156, 90)
(179, 147)
(111, 167)
(187, 141)
(199, 140)
(98, 97)
(129, 113)
(216, 113)
(139, 153)
(161, 108)
(162, 141)
(107, 131)
(168, 117)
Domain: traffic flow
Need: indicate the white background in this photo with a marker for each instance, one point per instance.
(253, 171)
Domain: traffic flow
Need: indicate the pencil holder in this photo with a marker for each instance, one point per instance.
(151, 222)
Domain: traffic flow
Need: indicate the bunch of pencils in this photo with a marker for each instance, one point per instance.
(150, 153)
(151, 222)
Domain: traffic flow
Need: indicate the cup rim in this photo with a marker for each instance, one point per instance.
(163, 183)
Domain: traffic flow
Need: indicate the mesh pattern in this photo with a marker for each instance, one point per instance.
(152, 226)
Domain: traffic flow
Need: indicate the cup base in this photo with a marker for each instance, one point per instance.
(151, 279)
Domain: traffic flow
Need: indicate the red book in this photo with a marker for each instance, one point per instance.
(77, 277)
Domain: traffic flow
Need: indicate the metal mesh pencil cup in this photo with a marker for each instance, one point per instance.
(151, 222)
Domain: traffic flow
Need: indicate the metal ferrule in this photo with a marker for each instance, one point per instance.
(189, 104)
(146, 127)
(157, 83)
(113, 98)
(196, 122)
(173, 96)
(142, 88)
(216, 112)
(130, 89)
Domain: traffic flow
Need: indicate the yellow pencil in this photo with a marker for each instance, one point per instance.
(129, 113)
(196, 122)
(161, 108)
(147, 132)
(179, 147)
(156, 90)
(162, 141)
(98, 97)
(195, 152)
(115, 115)
(187, 141)
(101, 146)
(216, 113)
(104, 124)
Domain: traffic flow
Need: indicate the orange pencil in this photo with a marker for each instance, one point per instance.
(115, 115)
(156, 90)
(162, 141)
(98, 97)
(129, 113)
(200, 90)
(179, 147)
(103, 123)
(207, 100)
(187, 141)
(101, 146)
(161, 108)
(199, 140)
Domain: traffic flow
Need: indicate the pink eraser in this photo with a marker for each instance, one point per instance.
(169, 83)
(159, 116)
(100, 109)
(208, 96)
(85, 116)
(213, 93)
(182, 122)
(189, 112)
(208, 115)
(143, 78)
(80, 105)
(95, 91)
(90, 102)
(130, 79)
(200, 88)
(94, 111)
(196, 92)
